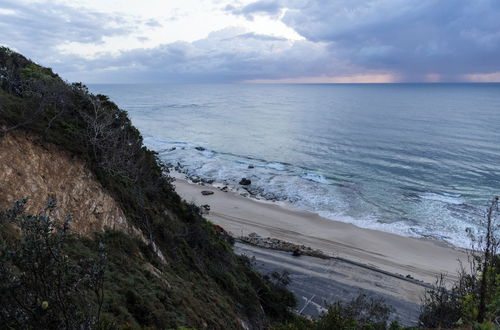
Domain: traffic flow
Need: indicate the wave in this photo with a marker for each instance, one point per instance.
(437, 215)
(182, 106)
(276, 166)
(443, 198)
(316, 178)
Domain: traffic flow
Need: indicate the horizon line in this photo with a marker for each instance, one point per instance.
(298, 83)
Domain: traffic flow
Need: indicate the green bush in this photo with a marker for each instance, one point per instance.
(40, 286)
(359, 313)
(473, 300)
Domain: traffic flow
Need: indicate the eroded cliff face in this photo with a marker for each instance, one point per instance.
(37, 170)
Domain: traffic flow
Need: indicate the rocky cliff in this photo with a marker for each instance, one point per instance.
(38, 170)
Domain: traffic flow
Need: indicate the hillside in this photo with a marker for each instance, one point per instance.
(166, 266)
(30, 167)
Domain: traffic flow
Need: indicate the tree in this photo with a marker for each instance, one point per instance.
(490, 248)
(46, 96)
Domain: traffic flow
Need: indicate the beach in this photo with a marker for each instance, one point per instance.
(411, 160)
(422, 259)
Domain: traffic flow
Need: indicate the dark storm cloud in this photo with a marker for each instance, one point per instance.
(37, 28)
(409, 37)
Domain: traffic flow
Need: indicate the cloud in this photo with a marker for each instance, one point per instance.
(261, 7)
(379, 40)
(228, 55)
(411, 37)
(414, 39)
(38, 28)
(264, 37)
(485, 77)
(153, 23)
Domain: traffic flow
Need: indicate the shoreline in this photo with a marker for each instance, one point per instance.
(423, 259)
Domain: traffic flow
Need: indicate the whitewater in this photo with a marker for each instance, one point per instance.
(419, 160)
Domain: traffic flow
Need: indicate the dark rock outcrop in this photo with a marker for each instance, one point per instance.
(245, 182)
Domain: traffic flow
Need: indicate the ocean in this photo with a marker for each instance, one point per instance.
(419, 160)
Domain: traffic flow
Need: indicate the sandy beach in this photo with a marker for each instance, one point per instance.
(421, 258)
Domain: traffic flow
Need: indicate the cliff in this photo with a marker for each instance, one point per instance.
(166, 266)
(30, 167)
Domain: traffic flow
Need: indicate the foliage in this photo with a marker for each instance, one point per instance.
(474, 300)
(136, 291)
(281, 279)
(442, 307)
(359, 313)
(211, 284)
(40, 286)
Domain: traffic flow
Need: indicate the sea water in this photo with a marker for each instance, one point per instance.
(418, 160)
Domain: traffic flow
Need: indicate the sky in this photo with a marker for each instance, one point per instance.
(263, 41)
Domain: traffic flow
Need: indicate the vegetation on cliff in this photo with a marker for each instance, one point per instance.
(183, 272)
(473, 300)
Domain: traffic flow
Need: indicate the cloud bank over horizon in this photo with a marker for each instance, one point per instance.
(260, 41)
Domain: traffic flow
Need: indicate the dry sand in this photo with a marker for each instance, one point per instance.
(422, 259)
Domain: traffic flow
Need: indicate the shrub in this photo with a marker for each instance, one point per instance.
(359, 313)
(474, 300)
(40, 286)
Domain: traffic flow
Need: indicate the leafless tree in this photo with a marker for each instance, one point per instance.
(489, 243)
(113, 144)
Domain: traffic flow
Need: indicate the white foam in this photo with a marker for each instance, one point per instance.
(316, 178)
(276, 166)
(313, 192)
(401, 228)
(443, 198)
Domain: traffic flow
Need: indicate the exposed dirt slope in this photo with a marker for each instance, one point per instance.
(37, 170)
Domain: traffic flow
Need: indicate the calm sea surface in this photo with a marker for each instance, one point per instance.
(414, 159)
